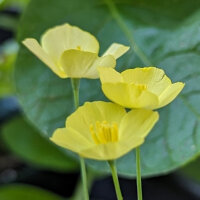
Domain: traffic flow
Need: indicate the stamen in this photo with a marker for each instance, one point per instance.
(78, 47)
(141, 86)
(103, 132)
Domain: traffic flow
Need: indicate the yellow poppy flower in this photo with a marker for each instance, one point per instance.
(146, 87)
(104, 130)
(71, 52)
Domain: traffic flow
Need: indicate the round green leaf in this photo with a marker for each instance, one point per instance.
(167, 36)
(27, 143)
(21, 191)
(191, 171)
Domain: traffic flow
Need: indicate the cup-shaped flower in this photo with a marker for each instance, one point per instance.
(71, 52)
(104, 130)
(146, 87)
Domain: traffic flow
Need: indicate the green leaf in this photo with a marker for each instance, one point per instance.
(191, 171)
(8, 51)
(19, 4)
(22, 192)
(166, 34)
(25, 141)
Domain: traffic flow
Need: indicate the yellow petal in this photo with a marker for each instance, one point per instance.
(159, 86)
(108, 151)
(136, 124)
(145, 75)
(109, 75)
(134, 127)
(36, 49)
(76, 64)
(170, 94)
(116, 50)
(82, 64)
(105, 62)
(70, 139)
(60, 38)
(129, 95)
(154, 78)
(90, 113)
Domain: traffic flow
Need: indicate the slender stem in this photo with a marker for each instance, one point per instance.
(84, 178)
(115, 179)
(138, 171)
(116, 15)
(75, 86)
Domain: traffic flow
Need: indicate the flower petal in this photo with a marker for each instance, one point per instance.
(60, 38)
(36, 49)
(70, 139)
(154, 78)
(110, 151)
(145, 75)
(136, 124)
(82, 64)
(101, 62)
(89, 113)
(170, 94)
(159, 86)
(76, 63)
(109, 75)
(129, 95)
(116, 50)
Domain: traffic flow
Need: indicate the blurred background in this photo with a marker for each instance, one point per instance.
(32, 168)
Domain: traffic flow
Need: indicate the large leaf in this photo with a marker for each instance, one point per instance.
(20, 191)
(19, 4)
(27, 143)
(166, 34)
(191, 171)
(8, 51)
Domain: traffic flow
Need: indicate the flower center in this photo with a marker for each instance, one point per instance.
(103, 132)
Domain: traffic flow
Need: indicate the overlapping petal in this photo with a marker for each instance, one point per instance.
(146, 87)
(129, 95)
(83, 64)
(37, 50)
(64, 37)
(71, 52)
(133, 127)
(116, 50)
(170, 93)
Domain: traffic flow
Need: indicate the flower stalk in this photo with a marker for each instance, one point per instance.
(75, 87)
(115, 179)
(75, 82)
(138, 172)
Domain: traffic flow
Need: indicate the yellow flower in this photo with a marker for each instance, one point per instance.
(146, 87)
(104, 130)
(71, 52)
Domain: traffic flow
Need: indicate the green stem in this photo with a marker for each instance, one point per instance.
(138, 171)
(115, 179)
(127, 32)
(84, 178)
(75, 86)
